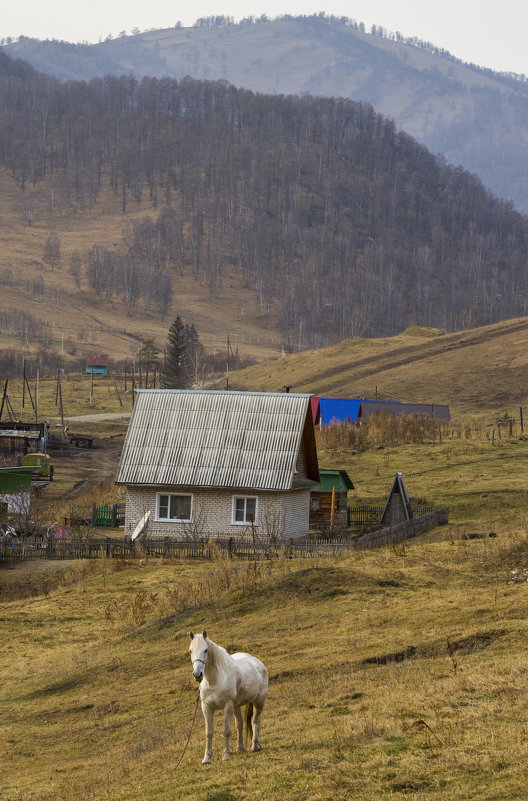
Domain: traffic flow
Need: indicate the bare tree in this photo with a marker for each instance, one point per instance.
(52, 251)
(75, 267)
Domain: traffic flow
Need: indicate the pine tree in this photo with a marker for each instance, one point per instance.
(174, 374)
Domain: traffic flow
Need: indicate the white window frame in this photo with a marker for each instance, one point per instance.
(244, 498)
(170, 495)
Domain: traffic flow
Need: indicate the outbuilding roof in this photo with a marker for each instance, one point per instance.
(205, 438)
(330, 479)
(438, 410)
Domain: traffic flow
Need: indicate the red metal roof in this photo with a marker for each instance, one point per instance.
(97, 360)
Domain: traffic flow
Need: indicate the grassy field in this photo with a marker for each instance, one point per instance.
(394, 672)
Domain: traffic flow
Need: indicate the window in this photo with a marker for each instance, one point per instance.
(174, 507)
(314, 502)
(244, 510)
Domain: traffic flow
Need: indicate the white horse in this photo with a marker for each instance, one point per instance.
(228, 683)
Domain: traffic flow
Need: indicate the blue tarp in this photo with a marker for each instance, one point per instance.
(337, 410)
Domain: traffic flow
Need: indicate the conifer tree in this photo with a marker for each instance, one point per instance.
(174, 374)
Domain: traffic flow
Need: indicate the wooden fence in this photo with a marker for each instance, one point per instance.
(208, 549)
(371, 515)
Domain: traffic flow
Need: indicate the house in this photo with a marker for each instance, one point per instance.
(329, 500)
(97, 364)
(206, 463)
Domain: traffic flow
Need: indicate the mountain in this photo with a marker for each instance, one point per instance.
(315, 215)
(474, 117)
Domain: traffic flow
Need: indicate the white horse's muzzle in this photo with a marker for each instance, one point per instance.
(198, 672)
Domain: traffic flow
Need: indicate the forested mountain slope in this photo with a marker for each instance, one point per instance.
(338, 224)
(473, 116)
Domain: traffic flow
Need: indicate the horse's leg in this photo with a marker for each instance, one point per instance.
(208, 714)
(228, 718)
(240, 729)
(256, 746)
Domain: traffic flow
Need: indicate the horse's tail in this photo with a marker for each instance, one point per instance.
(249, 726)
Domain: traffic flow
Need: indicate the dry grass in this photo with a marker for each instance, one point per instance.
(390, 674)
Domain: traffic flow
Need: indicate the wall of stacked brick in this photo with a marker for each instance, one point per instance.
(286, 514)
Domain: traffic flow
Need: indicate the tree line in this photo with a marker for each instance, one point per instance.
(340, 224)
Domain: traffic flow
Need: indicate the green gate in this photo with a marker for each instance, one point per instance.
(103, 515)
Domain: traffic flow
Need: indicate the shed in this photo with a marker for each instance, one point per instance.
(369, 408)
(398, 506)
(97, 363)
(329, 499)
(206, 462)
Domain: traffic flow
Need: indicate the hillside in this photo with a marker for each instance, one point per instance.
(282, 222)
(473, 116)
(484, 370)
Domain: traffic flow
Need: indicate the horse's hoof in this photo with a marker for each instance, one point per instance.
(206, 761)
(226, 757)
(241, 749)
(256, 747)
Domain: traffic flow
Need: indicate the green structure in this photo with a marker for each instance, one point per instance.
(15, 479)
(329, 499)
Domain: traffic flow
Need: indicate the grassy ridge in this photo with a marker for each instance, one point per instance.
(392, 672)
(481, 370)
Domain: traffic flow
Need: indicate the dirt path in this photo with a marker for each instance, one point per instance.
(89, 466)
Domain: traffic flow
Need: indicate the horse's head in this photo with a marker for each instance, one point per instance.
(199, 651)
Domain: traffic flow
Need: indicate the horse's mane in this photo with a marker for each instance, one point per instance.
(218, 656)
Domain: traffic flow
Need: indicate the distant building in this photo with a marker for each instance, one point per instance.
(369, 408)
(326, 411)
(97, 363)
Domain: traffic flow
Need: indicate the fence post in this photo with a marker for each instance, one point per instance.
(521, 418)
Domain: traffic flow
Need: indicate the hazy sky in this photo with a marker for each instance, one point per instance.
(488, 33)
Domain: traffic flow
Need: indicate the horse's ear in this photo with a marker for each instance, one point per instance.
(204, 634)
(191, 635)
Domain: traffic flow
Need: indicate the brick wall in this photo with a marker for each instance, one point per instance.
(212, 513)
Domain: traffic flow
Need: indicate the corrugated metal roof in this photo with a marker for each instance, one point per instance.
(204, 438)
(333, 478)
